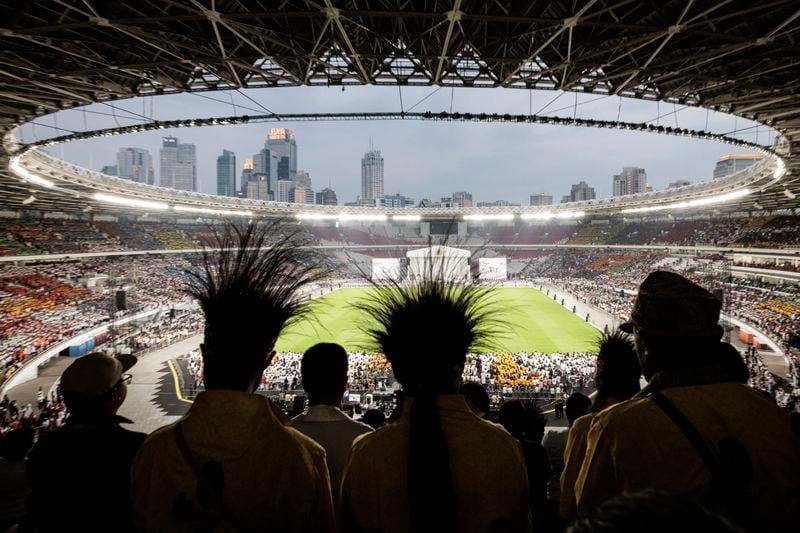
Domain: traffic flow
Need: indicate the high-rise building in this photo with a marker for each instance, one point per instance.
(728, 164)
(282, 190)
(135, 164)
(327, 197)
(633, 180)
(256, 187)
(497, 203)
(541, 199)
(247, 173)
(394, 200)
(301, 179)
(282, 143)
(226, 174)
(301, 195)
(678, 183)
(178, 165)
(372, 175)
(109, 170)
(283, 168)
(581, 191)
(462, 199)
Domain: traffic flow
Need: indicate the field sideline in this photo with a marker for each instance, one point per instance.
(537, 324)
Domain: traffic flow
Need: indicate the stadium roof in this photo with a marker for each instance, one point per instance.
(734, 57)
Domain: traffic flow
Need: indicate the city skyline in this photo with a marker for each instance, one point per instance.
(631, 180)
(432, 159)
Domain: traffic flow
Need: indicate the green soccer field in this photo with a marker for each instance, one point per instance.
(535, 324)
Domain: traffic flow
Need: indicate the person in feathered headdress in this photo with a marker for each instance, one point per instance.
(438, 466)
(231, 463)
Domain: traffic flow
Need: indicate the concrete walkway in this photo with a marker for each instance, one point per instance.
(151, 401)
(597, 317)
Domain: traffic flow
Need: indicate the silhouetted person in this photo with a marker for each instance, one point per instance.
(477, 397)
(555, 441)
(437, 466)
(80, 473)
(232, 463)
(526, 424)
(374, 418)
(324, 376)
(616, 377)
(14, 488)
(695, 430)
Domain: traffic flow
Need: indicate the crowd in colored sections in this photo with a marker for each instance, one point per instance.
(34, 236)
(44, 304)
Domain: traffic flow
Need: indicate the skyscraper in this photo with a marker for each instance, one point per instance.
(327, 197)
(678, 183)
(282, 190)
(633, 180)
(282, 143)
(541, 199)
(301, 195)
(247, 173)
(266, 162)
(178, 165)
(256, 187)
(731, 163)
(371, 175)
(462, 198)
(581, 191)
(226, 174)
(110, 170)
(135, 164)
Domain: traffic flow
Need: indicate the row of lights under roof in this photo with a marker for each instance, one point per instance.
(428, 115)
(17, 167)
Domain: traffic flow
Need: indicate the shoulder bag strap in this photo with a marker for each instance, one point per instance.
(689, 431)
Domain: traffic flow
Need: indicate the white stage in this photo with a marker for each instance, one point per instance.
(493, 268)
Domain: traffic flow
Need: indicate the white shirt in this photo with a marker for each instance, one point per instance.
(335, 431)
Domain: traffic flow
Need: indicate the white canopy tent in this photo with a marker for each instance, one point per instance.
(385, 268)
(438, 260)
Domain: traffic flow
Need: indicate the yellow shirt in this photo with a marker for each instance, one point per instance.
(487, 466)
(634, 445)
(573, 459)
(275, 478)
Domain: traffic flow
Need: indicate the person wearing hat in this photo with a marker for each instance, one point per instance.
(695, 430)
(80, 473)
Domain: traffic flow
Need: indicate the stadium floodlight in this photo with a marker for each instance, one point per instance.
(411, 218)
(315, 216)
(481, 217)
(699, 202)
(780, 169)
(129, 202)
(344, 217)
(549, 214)
(28, 176)
(341, 217)
(212, 211)
(29, 200)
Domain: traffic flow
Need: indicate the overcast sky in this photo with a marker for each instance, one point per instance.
(421, 159)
